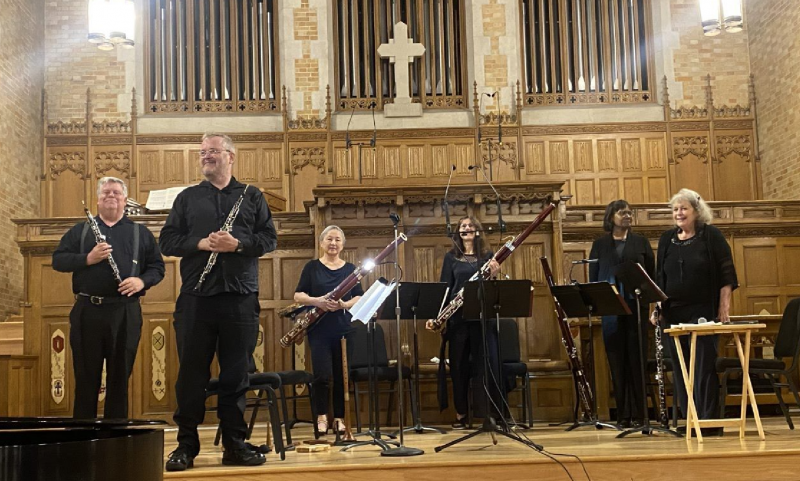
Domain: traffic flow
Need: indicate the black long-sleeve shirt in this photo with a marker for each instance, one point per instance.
(202, 209)
(98, 279)
(456, 272)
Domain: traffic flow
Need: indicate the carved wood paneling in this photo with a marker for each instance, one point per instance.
(691, 168)
(174, 172)
(416, 161)
(246, 165)
(391, 162)
(534, 158)
(584, 161)
(631, 155)
(119, 161)
(300, 157)
(149, 166)
(607, 155)
(559, 157)
(343, 166)
(74, 162)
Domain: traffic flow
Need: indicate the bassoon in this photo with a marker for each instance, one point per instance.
(500, 256)
(582, 386)
(305, 320)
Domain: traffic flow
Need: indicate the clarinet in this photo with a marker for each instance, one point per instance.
(582, 385)
(99, 237)
(501, 255)
(305, 320)
(226, 227)
(662, 391)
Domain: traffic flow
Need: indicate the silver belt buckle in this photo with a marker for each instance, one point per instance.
(97, 301)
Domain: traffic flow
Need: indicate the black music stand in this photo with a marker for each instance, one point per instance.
(635, 279)
(590, 300)
(417, 299)
(374, 431)
(484, 299)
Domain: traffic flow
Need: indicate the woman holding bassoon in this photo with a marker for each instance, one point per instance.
(466, 257)
(319, 277)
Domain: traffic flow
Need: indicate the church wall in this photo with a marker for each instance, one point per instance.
(694, 56)
(21, 66)
(306, 32)
(774, 41)
(73, 65)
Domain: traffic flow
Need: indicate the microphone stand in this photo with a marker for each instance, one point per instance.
(372, 142)
(400, 450)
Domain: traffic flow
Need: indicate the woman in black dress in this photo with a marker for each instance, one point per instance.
(466, 257)
(318, 278)
(695, 270)
(621, 333)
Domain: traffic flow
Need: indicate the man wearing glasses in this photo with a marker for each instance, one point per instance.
(106, 320)
(218, 315)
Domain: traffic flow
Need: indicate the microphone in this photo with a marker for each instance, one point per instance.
(480, 109)
(500, 223)
(445, 206)
(499, 121)
(347, 141)
(586, 261)
(395, 218)
(374, 139)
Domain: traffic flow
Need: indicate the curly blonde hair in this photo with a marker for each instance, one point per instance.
(704, 215)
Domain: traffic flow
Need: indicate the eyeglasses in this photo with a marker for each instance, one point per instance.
(203, 153)
(625, 213)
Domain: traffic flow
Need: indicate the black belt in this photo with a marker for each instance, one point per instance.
(99, 301)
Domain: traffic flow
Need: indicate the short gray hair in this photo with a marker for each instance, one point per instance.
(330, 228)
(704, 215)
(227, 142)
(114, 180)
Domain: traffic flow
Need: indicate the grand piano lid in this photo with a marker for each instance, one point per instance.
(41, 423)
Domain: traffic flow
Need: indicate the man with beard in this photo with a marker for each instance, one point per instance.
(218, 314)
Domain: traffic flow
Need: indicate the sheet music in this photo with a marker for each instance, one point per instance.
(371, 301)
(164, 198)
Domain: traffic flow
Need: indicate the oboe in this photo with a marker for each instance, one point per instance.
(501, 255)
(99, 237)
(226, 227)
(662, 391)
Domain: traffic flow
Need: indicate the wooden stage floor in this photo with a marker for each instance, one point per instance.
(635, 458)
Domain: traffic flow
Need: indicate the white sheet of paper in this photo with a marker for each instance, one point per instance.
(164, 198)
(371, 301)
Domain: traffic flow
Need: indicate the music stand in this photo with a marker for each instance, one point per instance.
(365, 310)
(635, 279)
(417, 300)
(482, 299)
(590, 300)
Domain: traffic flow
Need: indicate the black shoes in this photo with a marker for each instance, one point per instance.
(460, 423)
(243, 457)
(179, 460)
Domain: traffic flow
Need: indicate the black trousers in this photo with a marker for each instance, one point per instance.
(706, 381)
(466, 362)
(225, 324)
(326, 362)
(107, 332)
(621, 339)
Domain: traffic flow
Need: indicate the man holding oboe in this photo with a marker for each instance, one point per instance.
(219, 228)
(113, 262)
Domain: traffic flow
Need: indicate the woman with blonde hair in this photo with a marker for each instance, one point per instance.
(319, 277)
(695, 270)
